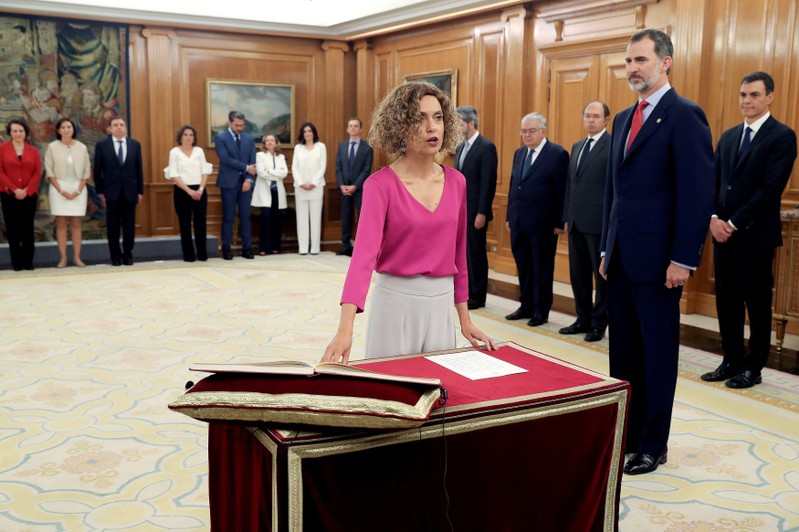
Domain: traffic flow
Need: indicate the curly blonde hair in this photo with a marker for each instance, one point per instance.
(398, 115)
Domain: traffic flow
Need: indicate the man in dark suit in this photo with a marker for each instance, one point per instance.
(753, 165)
(236, 151)
(476, 159)
(582, 209)
(535, 209)
(119, 181)
(353, 166)
(659, 197)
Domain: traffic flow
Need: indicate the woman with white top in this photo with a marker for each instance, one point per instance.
(270, 193)
(308, 170)
(67, 167)
(189, 170)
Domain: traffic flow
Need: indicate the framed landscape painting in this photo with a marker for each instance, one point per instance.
(446, 80)
(267, 108)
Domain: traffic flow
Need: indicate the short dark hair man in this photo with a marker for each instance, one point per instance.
(119, 181)
(353, 166)
(476, 159)
(658, 199)
(753, 164)
(535, 217)
(236, 151)
(582, 211)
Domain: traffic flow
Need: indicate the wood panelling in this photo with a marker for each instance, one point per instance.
(546, 56)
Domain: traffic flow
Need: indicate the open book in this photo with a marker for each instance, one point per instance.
(297, 367)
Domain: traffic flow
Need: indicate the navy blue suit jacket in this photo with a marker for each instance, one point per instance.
(480, 170)
(361, 167)
(659, 196)
(585, 193)
(535, 196)
(116, 180)
(749, 190)
(232, 162)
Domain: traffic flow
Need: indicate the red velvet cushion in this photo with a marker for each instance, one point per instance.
(321, 400)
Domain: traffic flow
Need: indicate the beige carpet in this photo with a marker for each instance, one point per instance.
(92, 357)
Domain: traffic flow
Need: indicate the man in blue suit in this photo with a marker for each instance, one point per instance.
(658, 200)
(119, 181)
(353, 166)
(535, 208)
(236, 152)
(754, 160)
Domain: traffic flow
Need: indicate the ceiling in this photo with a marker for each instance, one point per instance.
(341, 19)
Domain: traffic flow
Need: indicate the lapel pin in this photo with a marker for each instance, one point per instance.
(658, 120)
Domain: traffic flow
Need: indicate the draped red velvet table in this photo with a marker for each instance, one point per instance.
(540, 450)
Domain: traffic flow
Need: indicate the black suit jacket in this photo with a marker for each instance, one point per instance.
(748, 191)
(361, 166)
(480, 169)
(535, 196)
(585, 192)
(116, 180)
(659, 194)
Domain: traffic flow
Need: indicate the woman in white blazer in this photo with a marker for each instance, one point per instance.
(270, 194)
(67, 167)
(308, 170)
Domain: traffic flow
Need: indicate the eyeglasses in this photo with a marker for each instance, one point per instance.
(531, 131)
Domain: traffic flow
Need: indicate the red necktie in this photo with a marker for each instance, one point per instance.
(638, 121)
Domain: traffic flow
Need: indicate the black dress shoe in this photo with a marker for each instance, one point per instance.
(474, 305)
(594, 335)
(518, 314)
(746, 379)
(644, 463)
(227, 255)
(247, 254)
(722, 373)
(127, 261)
(116, 261)
(345, 251)
(537, 320)
(575, 328)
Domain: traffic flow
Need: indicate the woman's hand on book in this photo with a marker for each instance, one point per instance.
(338, 350)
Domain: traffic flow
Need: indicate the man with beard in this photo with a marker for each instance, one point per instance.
(658, 199)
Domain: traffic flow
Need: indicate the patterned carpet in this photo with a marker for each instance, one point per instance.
(92, 357)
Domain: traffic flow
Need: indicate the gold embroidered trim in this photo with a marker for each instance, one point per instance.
(306, 409)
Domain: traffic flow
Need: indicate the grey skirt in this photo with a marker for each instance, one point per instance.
(410, 315)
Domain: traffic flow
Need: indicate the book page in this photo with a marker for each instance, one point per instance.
(334, 368)
(475, 365)
(285, 367)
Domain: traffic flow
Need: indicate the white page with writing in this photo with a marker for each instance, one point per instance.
(475, 365)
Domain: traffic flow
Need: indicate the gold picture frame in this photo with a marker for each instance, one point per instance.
(267, 108)
(446, 80)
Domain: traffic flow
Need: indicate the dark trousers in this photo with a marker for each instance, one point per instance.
(120, 213)
(584, 259)
(189, 210)
(233, 199)
(349, 204)
(477, 261)
(744, 281)
(271, 226)
(534, 254)
(18, 216)
(644, 341)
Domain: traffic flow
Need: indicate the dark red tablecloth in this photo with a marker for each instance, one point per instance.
(540, 450)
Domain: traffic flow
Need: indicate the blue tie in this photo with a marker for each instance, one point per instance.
(584, 153)
(352, 153)
(528, 161)
(746, 142)
(120, 153)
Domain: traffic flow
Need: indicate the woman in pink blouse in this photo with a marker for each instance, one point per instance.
(412, 231)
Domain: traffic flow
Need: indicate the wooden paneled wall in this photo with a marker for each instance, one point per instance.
(545, 56)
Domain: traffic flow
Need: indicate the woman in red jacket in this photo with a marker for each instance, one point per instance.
(20, 173)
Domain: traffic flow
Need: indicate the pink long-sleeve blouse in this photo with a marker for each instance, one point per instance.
(399, 236)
